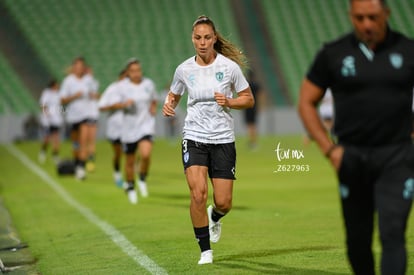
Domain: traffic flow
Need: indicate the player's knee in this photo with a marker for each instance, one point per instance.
(224, 205)
(199, 197)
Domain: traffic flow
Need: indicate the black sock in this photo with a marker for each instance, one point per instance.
(215, 216)
(91, 158)
(81, 163)
(116, 166)
(44, 147)
(142, 176)
(130, 185)
(203, 237)
(76, 161)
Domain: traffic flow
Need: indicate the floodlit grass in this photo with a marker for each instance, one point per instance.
(281, 223)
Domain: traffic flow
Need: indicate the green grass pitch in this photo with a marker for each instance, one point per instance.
(281, 223)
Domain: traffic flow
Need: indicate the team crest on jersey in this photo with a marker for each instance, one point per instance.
(396, 60)
(219, 76)
(348, 66)
(191, 79)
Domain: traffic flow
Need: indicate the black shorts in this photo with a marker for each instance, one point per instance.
(219, 158)
(250, 115)
(131, 148)
(48, 130)
(115, 141)
(53, 129)
(91, 121)
(75, 126)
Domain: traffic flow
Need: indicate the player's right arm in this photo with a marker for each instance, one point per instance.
(171, 102)
(309, 98)
(118, 106)
(70, 98)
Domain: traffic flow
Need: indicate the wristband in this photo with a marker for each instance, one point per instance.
(330, 150)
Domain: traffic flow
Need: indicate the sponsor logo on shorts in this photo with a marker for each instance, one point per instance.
(408, 192)
(344, 191)
(186, 157)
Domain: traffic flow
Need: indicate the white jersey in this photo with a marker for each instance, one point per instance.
(110, 97)
(93, 109)
(206, 121)
(326, 108)
(51, 108)
(76, 110)
(137, 121)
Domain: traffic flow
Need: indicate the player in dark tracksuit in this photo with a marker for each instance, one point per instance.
(371, 74)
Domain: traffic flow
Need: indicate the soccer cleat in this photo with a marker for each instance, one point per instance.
(118, 179)
(80, 173)
(132, 196)
(206, 257)
(143, 190)
(213, 227)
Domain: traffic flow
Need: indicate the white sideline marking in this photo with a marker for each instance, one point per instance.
(120, 240)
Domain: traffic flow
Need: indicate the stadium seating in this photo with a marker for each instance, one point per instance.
(108, 32)
(299, 27)
(14, 97)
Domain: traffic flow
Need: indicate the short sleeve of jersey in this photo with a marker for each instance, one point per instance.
(178, 85)
(64, 89)
(42, 100)
(108, 95)
(153, 90)
(318, 73)
(239, 81)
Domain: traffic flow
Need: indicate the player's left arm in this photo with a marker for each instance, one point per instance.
(243, 100)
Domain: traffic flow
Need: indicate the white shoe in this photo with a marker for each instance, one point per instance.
(132, 196)
(213, 227)
(206, 257)
(143, 190)
(42, 157)
(80, 173)
(118, 179)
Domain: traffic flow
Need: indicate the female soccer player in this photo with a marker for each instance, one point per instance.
(137, 98)
(107, 102)
(92, 119)
(74, 93)
(210, 77)
(51, 120)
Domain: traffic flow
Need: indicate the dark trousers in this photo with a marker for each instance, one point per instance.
(377, 180)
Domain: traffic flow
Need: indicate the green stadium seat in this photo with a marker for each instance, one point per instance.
(299, 28)
(14, 97)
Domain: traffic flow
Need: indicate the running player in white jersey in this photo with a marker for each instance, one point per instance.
(137, 98)
(92, 120)
(326, 113)
(51, 120)
(210, 78)
(74, 94)
(326, 110)
(108, 102)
